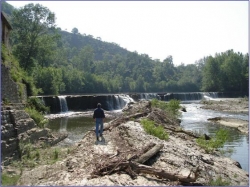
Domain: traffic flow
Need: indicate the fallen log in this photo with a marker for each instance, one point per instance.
(187, 178)
(132, 168)
(143, 158)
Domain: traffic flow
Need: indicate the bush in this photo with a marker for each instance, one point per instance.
(36, 116)
(37, 104)
(216, 142)
(171, 107)
(150, 128)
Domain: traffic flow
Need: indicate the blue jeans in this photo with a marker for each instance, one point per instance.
(98, 126)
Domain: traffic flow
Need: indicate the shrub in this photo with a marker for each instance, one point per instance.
(216, 142)
(36, 116)
(37, 104)
(151, 129)
(171, 107)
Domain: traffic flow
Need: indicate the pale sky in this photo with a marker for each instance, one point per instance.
(186, 30)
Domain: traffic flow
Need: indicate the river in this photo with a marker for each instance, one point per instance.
(194, 119)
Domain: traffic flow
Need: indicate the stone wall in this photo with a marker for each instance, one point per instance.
(18, 128)
(10, 89)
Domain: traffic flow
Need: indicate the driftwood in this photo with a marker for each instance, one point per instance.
(143, 158)
(133, 166)
(140, 168)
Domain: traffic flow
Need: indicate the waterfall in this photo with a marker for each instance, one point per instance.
(190, 96)
(148, 96)
(63, 103)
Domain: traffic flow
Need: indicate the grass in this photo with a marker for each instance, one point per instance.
(151, 129)
(218, 182)
(215, 142)
(33, 157)
(9, 180)
(36, 116)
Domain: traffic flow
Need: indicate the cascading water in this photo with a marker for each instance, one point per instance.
(63, 103)
(190, 96)
(149, 96)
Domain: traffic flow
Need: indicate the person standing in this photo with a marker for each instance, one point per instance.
(99, 119)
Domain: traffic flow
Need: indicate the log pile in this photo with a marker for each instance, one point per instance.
(133, 164)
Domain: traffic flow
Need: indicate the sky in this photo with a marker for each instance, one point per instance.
(186, 30)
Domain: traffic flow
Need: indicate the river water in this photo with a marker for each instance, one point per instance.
(194, 119)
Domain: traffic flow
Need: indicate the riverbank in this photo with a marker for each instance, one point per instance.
(179, 160)
(234, 105)
(239, 105)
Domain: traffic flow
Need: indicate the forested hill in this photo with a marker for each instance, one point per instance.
(60, 62)
(100, 48)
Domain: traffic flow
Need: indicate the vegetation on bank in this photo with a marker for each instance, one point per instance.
(61, 62)
(151, 129)
(36, 109)
(218, 141)
(31, 157)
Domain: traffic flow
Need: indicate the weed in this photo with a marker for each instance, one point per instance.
(56, 154)
(150, 128)
(9, 180)
(36, 116)
(218, 141)
(219, 182)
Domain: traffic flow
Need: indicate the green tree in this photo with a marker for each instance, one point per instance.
(211, 75)
(50, 80)
(30, 24)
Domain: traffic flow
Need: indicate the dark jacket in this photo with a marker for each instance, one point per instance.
(98, 113)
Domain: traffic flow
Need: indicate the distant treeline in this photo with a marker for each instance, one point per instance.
(58, 62)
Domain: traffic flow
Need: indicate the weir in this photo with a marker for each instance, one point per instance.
(111, 102)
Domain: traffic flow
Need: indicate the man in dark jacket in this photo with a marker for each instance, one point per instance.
(99, 118)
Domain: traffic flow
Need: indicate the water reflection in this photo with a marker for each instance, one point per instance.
(76, 127)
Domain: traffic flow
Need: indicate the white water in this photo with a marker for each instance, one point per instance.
(195, 119)
(63, 103)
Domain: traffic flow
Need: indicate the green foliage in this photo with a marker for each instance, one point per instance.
(37, 104)
(30, 25)
(151, 129)
(171, 107)
(9, 180)
(225, 72)
(36, 116)
(219, 182)
(64, 62)
(214, 143)
(50, 80)
(56, 154)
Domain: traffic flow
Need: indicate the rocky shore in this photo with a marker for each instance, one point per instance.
(117, 159)
(239, 105)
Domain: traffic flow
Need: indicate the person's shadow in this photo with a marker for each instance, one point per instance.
(102, 142)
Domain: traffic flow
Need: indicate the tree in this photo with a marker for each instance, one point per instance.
(75, 30)
(30, 23)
